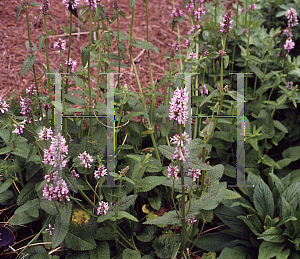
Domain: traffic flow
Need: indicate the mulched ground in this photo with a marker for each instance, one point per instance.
(14, 35)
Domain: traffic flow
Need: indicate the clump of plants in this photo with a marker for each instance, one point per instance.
(169, 184)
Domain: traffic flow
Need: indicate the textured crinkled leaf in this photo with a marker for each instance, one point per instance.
(48, 206)
(5, 185)
(145, 45)
(148, 183)
(268, 250)
(105, 233)
(229, 195)
(101, 251)
(125, 203)
(131, 254)
(263, 200)
(273, 234)
(167, 151)
(169, 218)
(65, 212)
(78, 239)
(27, 64)
(148, 234)
(59, 233)
(22, 219)
(165, 245)
(292, 153)
(35, 203)
(27, 193)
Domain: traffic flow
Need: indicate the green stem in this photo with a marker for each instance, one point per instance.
(140, 88)
(118, 204)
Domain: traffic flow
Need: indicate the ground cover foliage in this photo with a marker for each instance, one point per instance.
(56, 185)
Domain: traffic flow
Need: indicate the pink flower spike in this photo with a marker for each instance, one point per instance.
(173, 170)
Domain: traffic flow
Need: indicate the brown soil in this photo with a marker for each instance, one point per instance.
(14, 35)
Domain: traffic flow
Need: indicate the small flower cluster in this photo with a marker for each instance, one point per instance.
(205, 52)
(192, 55)
(45, 134)
(290, 85)
(245, 31)
(242, 10)
(46, 106)
(203, 90)
(19, 128)
(45, 7)
(178, 108)
(222, 53)
(226, 23)
(253, 7)
(26, 108)
(179, 142)
(176, 46)
(86, 159)
(72, 64)
(187, 43)
(173, 171)
(50, 229)
(55, 187)
(100, 172)
(73, 3)
(177, 12)
(3, 105)
(91, 3)
(61, 44)
(195, 27)
(31, 90)
(292, 17)
(192, 220)
(103, 208)
(184, 155)
(289, 45)
(195, 173)
(57, 152)
(115, 4)
(76, 175)
(287, 33)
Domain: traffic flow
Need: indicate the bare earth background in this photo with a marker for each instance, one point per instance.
(14, 34)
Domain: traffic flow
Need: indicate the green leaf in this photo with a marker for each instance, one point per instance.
(292, 153)
(268, 250)
(124, 214)
(155, 202)
(273, 234)
(6, 196)
(169, 218)
(78, 239)
(27, 193)
(132, 3)
(145, 45)
(21, 219)
(108, 38)
(148, 234)
(226, 61)
(31, 204)
(263, 200)
(121, 46)
(284, 254)
(27, 64)
(85, 54)
(42, 39)
(5, 150)
(167, 151)
(6, 185)
(237, 252)
(216, 241)
(48, 206)
(59, 233)
(71, 182)
(75, 100)
(291, 194)
(256, 70)
(165, 245)
(278, 182)
(131, 115)
(109, 215)
(101, 251)
(65, 212)
(253, 224)
(148, 183)
(105, 233)
(78, 82)
(125, 203)
(131, 254)
(280, 126)
(229, 195)
(20, 7)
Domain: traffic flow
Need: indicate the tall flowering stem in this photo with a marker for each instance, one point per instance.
(149, 126)
(33, 67)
